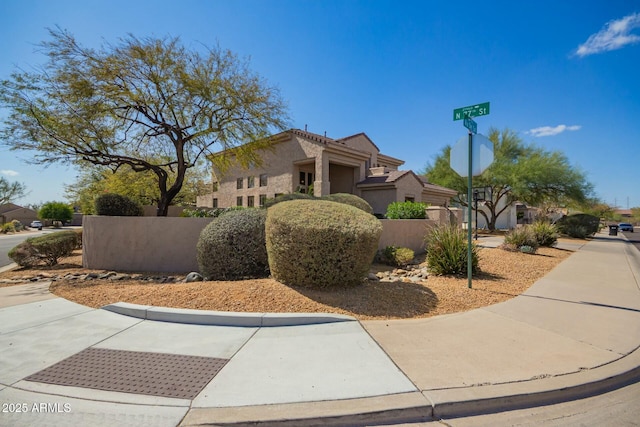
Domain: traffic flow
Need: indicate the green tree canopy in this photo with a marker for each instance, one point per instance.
(149, 104)
(10, 191)
(519, 172)
(56, 211)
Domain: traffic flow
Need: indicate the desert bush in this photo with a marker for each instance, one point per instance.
(47, 249)
(320, 244)
(519, 237)
(208, 212)
(447, 251)
(579, 225)
(111, 204)
(406, 210)
(8, 228)
(393, 255)
(546, 234)
(350, 199)
(233, 246)
(17, 225)
(287, 197)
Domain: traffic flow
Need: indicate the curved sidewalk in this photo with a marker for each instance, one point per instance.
(574, 333)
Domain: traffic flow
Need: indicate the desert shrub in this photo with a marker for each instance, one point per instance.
(111, 204)
(17, 225)
(447, 251)
(527, 249)
(320, 244)
(406, 210)
(545, 234)
(393, 255)
(576, 231)
(233, 246)
(208, 212)
(350, 199)
(579, 225)
(47, 249)
(519, 237)
(8, 228)
(287, 197)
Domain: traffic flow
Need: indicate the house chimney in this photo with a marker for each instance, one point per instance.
(305, 127)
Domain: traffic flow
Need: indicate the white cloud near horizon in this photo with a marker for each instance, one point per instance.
(9, 172)
(614, 35)
(552, 130)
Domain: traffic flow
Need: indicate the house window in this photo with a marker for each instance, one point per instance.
(251, 182)
(239, 183)
(309, 179)
(215, 202)
(263, 180)
(263, 199)
(239, 201)
(215, 186)
(250, 201)
(302, 178)
(409, 199)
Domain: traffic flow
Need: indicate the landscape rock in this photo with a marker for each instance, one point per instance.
(193, 277)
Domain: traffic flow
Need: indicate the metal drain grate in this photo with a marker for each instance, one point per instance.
(155, 374)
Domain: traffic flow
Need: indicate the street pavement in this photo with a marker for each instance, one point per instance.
(574, 333)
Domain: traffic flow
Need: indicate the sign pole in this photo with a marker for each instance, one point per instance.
(469, 184)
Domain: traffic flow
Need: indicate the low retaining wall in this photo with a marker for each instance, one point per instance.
(161, 244)
(166, 244)
(406, 233)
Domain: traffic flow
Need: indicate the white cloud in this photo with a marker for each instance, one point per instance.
(9, 172)
(614, 35)
(551, 131)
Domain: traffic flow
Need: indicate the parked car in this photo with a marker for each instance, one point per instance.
(624, 226)
(36, 224)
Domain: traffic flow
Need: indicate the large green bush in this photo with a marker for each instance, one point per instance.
(406, 210)
(447, 251)
(47, 249)
(111, 204)
(579, 225)
(56, 211)
(207, 212)
(350, 199)
(320, 244)
(233, 246)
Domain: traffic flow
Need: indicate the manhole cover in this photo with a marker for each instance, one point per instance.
(155, 374)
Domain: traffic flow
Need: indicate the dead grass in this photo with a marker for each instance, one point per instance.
(504, 276)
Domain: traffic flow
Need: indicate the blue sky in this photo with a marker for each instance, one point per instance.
(564, 74)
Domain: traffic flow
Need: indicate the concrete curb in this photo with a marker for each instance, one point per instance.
(428, 405)
(9, 267)
(224, 318)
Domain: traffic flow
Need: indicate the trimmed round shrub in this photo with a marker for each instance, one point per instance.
(111, 204)
(47, 249)
(447, 251)
(232, 246)
(320, 244)
(287, 197)
(350, 199)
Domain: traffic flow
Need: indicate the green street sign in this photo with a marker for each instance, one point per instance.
(471, 125)
(471, 111)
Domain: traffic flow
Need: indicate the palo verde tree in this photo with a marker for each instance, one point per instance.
(519, 172)
(10, 191)
(145, 104)
(56, 211)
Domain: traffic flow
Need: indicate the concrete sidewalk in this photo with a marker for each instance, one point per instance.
(574, 333)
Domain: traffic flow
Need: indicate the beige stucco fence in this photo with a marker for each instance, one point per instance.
(168, 244)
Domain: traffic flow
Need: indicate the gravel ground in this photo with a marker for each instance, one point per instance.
(504, 276)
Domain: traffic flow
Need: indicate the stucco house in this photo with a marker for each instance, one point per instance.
(301, 161)
(10, 211)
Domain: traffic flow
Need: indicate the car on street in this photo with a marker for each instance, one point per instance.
(624, 226)
(36, 224)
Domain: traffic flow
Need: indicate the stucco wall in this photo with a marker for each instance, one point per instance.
(161, 244)
(407, 233)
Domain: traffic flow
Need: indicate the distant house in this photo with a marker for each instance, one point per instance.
(302, 161)
(10, 211)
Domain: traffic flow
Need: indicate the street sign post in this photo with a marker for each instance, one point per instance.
(467, 113)
(471, 111)
(471, 125)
